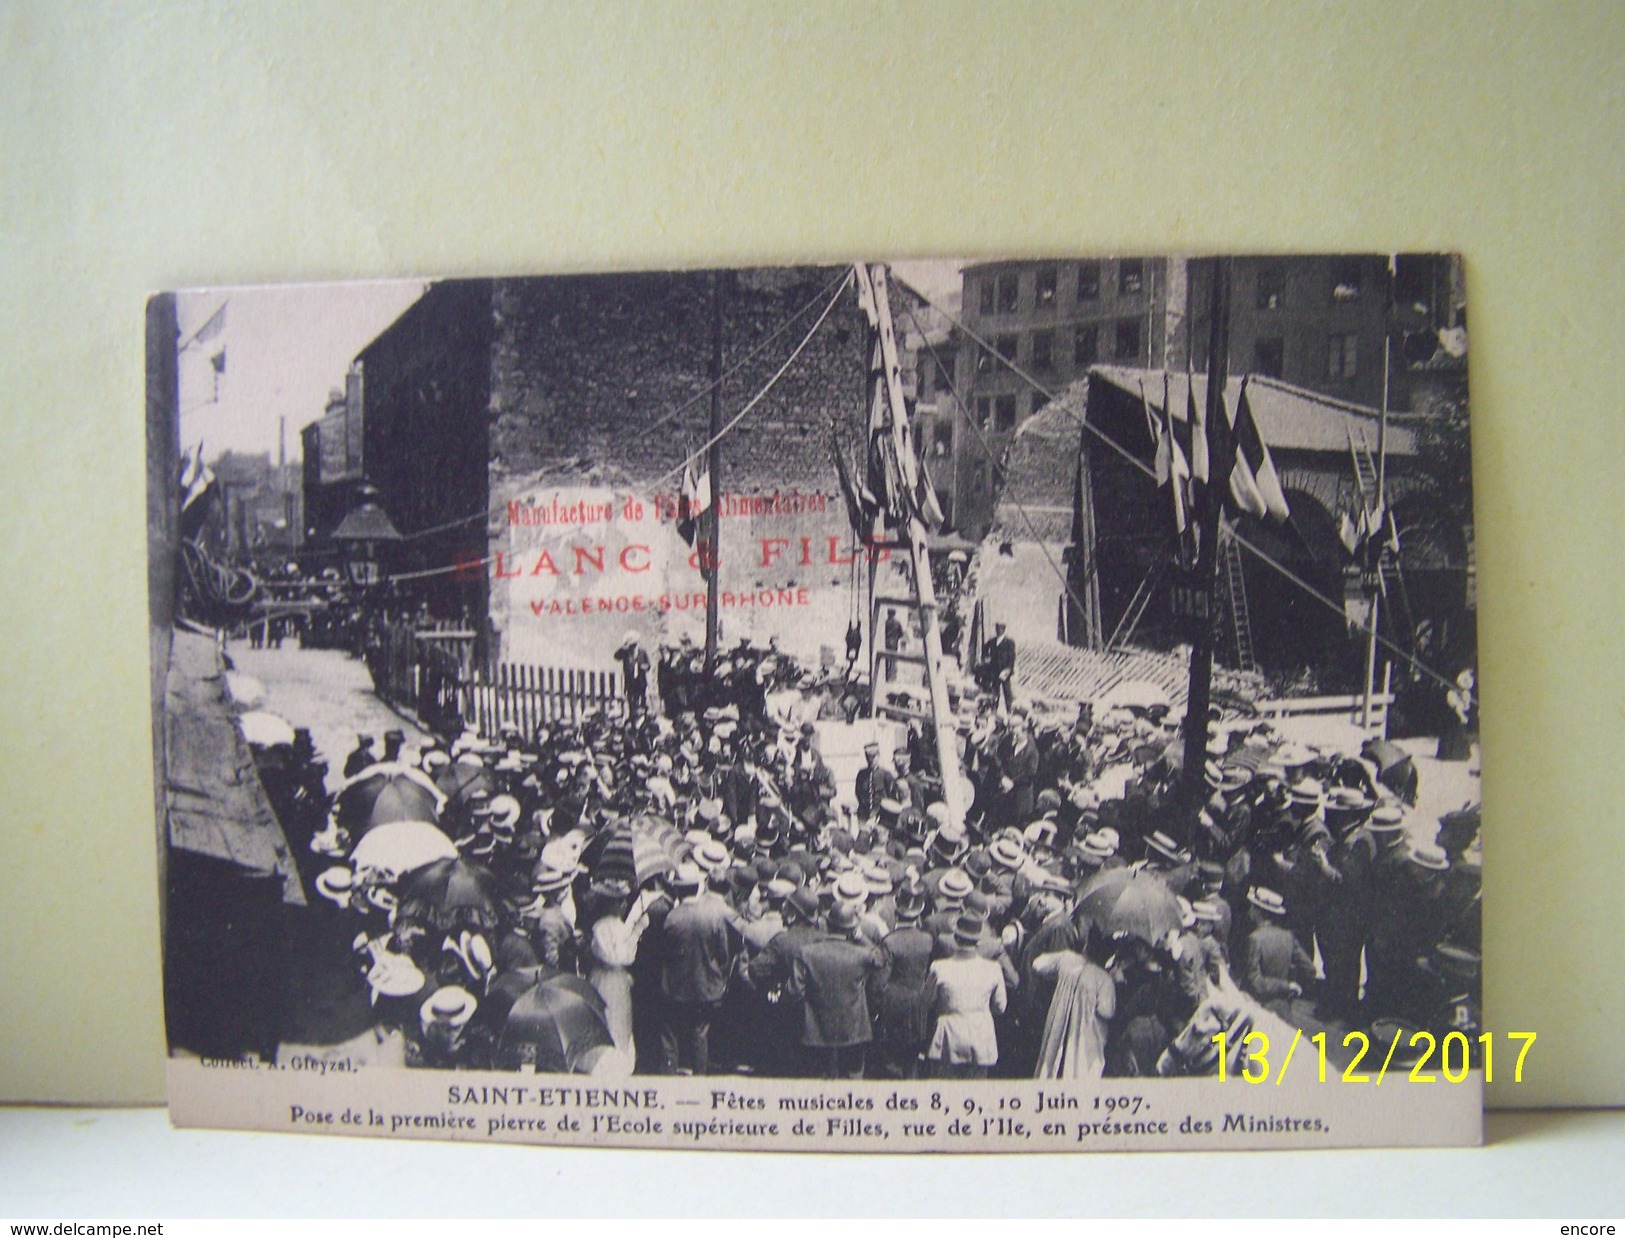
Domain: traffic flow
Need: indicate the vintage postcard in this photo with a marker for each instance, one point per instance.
(928, 705)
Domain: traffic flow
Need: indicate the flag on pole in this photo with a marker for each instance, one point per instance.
(1244, 493)
(692, 501)
(1348, 532)
(1254, 464)
(1174, 472)
(197, 491)
(1196, 418)
(858, 515)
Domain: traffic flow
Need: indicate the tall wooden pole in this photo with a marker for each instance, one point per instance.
(1382, 504)
(711, 533)
(1221, 453)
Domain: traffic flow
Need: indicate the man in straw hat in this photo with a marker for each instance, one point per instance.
(1345, 910)
(550, 931)
(444, 1040)
(769, 975)
(1410, 926)
(634, 673)
(1274, 968)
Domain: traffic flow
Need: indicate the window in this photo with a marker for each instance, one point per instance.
(936, 374)
(1130, 276)
(1088, 281)
(1271, 287)
(1006, 346)
(935, 435)
(1085, 345)
(1269, 357)
(1009, 290)
(984, 412)
(1044, 296)
(1342, 357)
(1128, 339)
(1039, 401)
(1004, 413)
(1346, 279)
(1043, 349)
(985, 296)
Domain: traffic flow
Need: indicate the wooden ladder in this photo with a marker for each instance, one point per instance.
(888, 416)
(1235, 587)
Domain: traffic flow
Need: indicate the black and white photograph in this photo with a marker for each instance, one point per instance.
(855, 686)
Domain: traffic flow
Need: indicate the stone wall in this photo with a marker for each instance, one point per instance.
(599, 391)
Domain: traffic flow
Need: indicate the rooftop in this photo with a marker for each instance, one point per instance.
(1290, 418)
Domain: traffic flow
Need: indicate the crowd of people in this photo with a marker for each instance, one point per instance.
(690, 865)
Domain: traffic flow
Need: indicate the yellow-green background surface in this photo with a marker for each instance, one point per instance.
(146, 146)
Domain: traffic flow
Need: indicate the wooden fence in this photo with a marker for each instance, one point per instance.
(1350, 708)
(434, 676)
(525, 697)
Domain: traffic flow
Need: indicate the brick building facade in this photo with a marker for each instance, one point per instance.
(580, 393)
(1318, 322)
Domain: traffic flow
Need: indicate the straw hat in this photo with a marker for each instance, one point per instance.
(1267, 900)
(336, 884)
(451, 1006)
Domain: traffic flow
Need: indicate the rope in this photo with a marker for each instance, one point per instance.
(987, 448)
(466, 566)
(671, 415)
(758, 397)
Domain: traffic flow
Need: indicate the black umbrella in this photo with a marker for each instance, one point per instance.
(460, 781)
(554, 1024)
(1395, 769)
(452, 894)
(388, 792)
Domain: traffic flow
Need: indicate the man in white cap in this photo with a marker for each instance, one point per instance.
(634, 674)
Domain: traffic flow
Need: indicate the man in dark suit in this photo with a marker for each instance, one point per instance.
(812, 785)
(839, 980)
(769, 974)
(1016, 758)
(701, 936)
(874, 783)
(998, 666)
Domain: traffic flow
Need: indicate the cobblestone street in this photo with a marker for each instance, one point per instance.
(326, 690)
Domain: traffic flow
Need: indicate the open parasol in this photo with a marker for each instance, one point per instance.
(451, 894)
(246, 691)
(557, 1024)
(635, 850)
(265, 730)
(1395, 768)
(397, 848)
(1133, 902)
